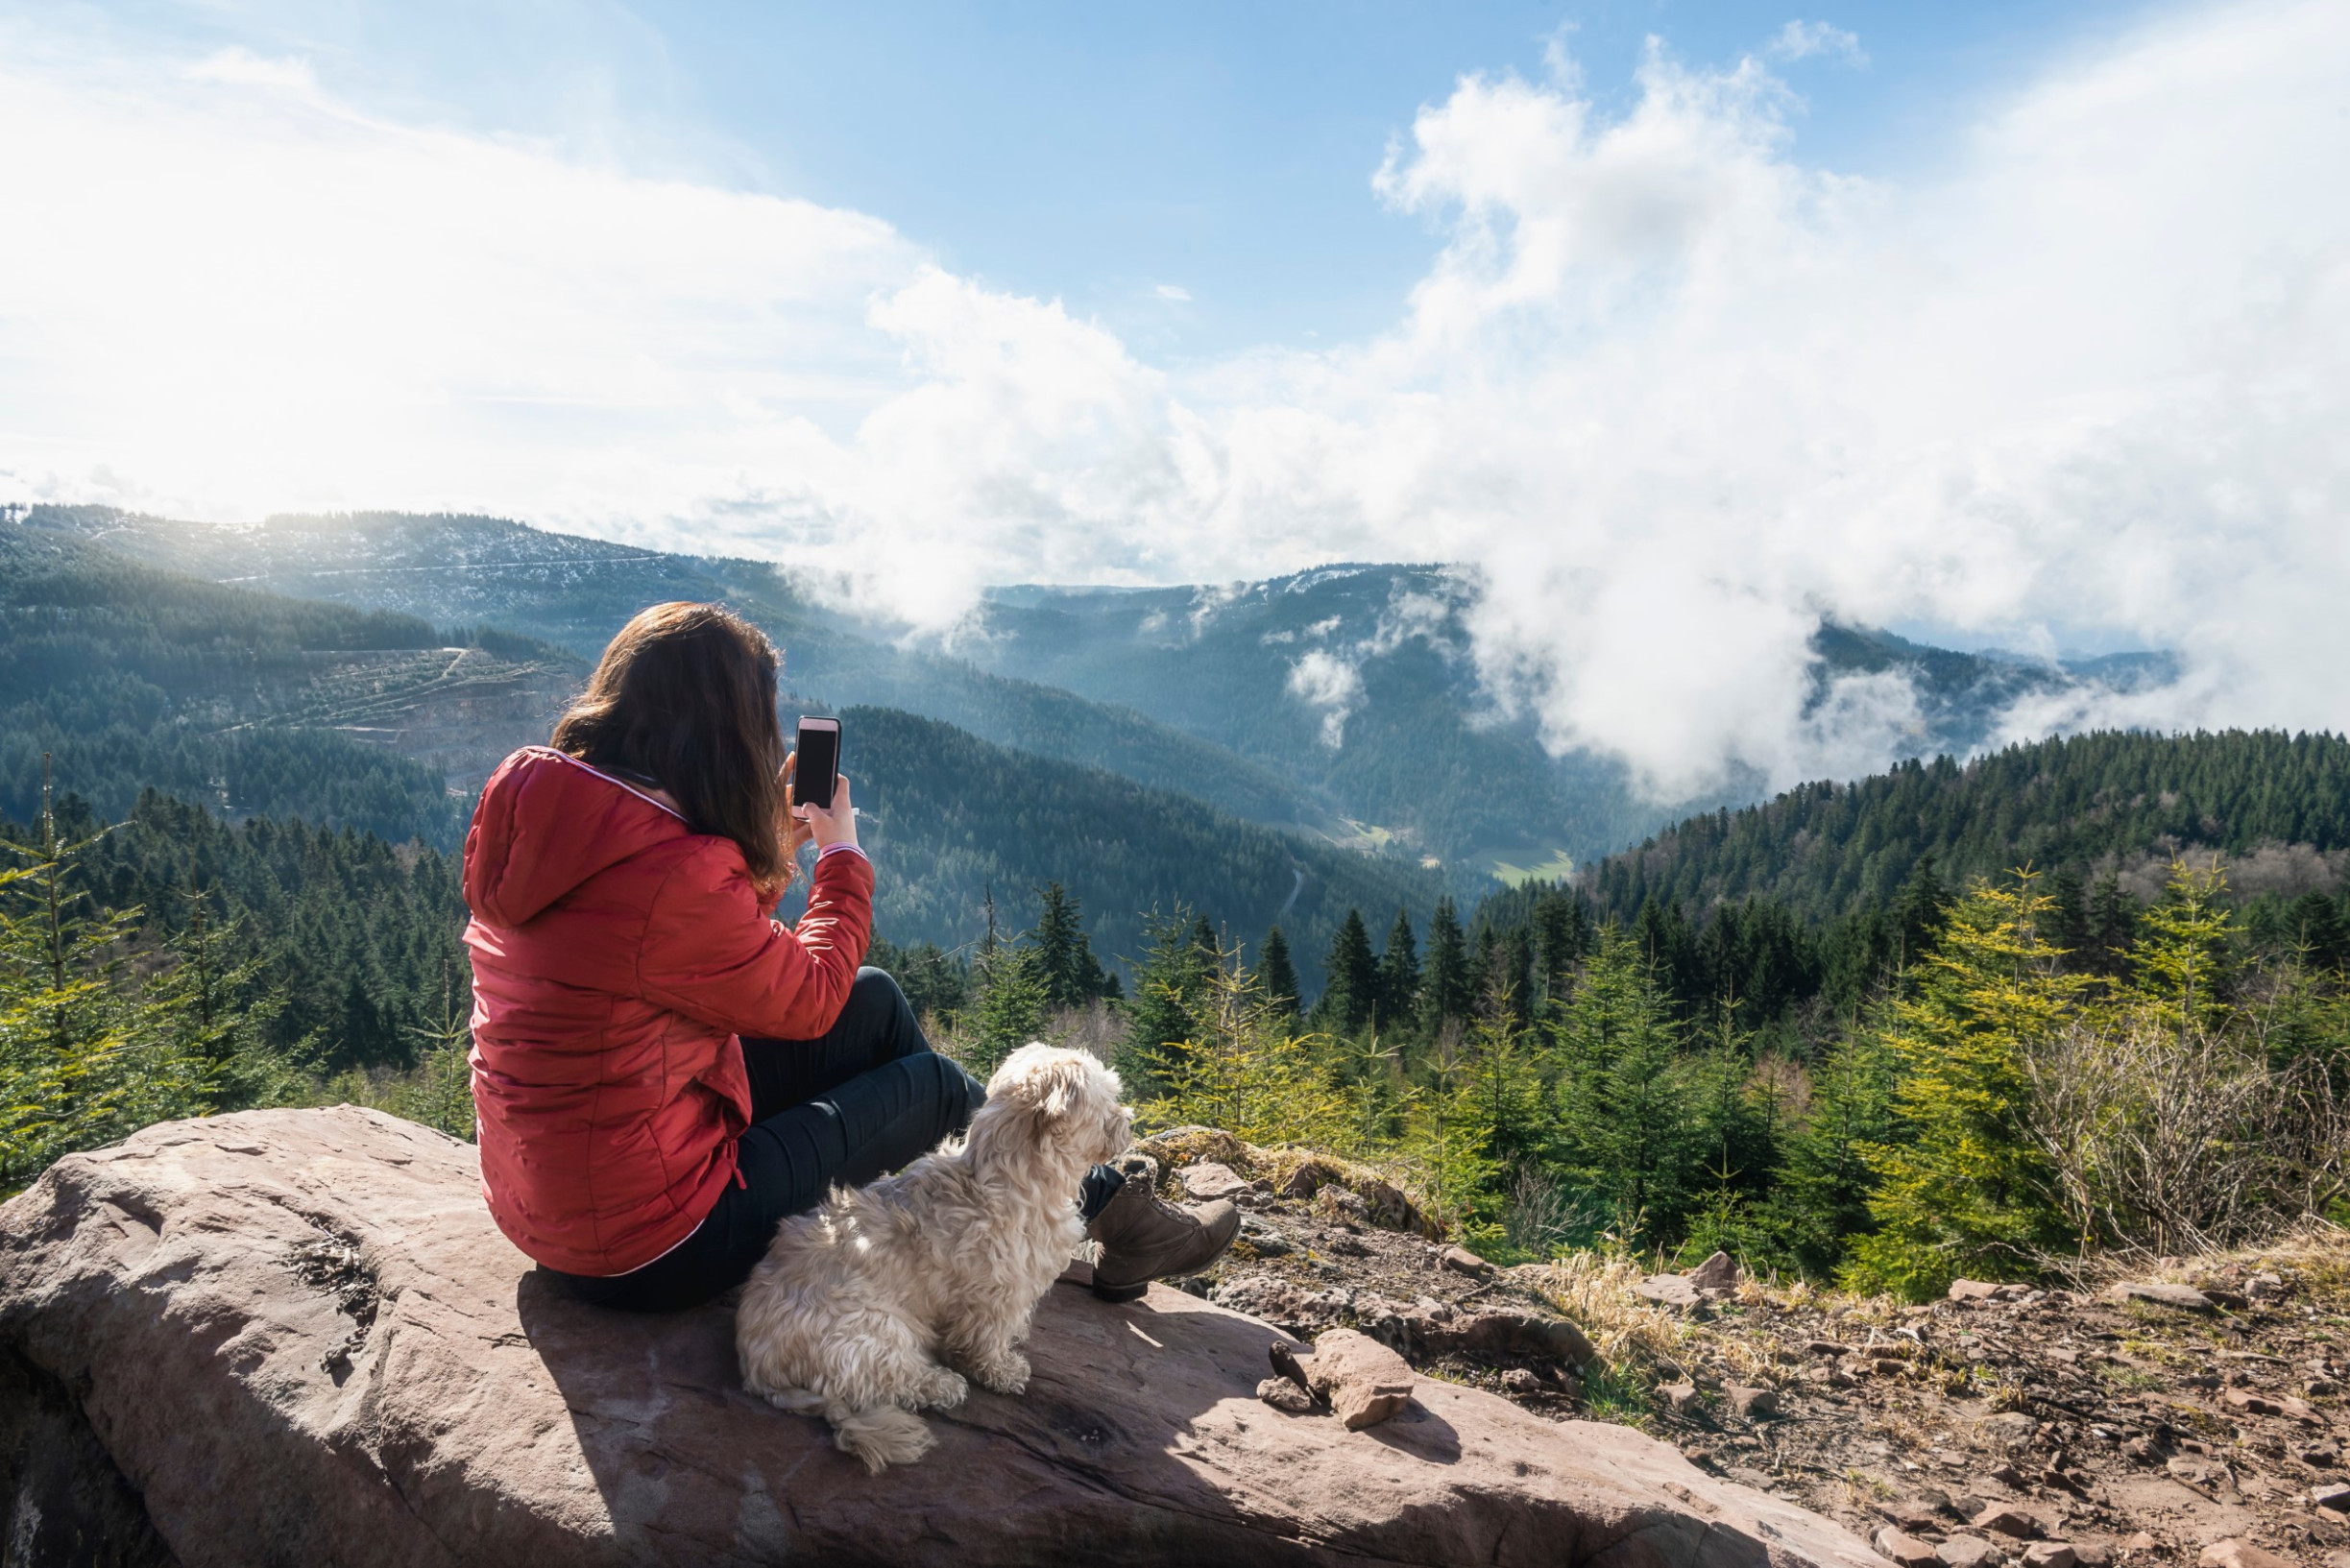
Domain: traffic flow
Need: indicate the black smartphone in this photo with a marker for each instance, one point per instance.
(819, 765)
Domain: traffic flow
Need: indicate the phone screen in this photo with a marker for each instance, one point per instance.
(819, 765)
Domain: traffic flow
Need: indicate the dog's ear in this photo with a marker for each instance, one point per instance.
(1049, 1081)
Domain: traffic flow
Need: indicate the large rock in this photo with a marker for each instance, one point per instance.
(294, 1337)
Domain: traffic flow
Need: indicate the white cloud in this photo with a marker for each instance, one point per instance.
(1329, 682)
(1801, 40)
(1668, 392)
(1175, 292)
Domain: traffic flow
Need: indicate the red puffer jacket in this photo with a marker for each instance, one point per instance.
(618, 958)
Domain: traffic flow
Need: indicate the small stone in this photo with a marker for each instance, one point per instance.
(1307, 1180)
(1719, 1272)
(1365, 1381)
(1965, 1552)
(2049, 1555)
(1826, 1348)
(1754, 1404)
(1267, 1241)
(1910, 1513)
(1461, 1260)
(1207, 1181)
(1285, 1397)
(1679, 1397)
(1965, 1505)
(2177, 1297)
(1906, 1550)
(2325, 1456)
(2007, 1474)
(2003, 1521)
(1518, 1381)
(2092, 1553)
(2252, 1403)
(1887, 1366)
(2009, 1429)
(1973, 1289)
(2332, 1495)
(1668, 1291)
(2237, 1553)
(2140, 1542)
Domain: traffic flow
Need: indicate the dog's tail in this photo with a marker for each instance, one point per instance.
(881, 1437)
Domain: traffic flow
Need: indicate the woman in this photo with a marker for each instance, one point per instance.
(661, 1071)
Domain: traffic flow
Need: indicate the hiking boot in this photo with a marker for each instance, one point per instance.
(1144, 1238)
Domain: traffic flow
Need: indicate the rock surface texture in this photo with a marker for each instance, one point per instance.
(294, 1337)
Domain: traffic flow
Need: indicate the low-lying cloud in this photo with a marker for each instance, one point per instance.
(1670, 393)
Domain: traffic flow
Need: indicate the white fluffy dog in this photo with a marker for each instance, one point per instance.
(867, 1308)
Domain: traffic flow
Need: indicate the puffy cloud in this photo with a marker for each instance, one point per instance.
(1670, 393)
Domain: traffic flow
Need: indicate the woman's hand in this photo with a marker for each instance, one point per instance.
(796, 830)
(828, 825)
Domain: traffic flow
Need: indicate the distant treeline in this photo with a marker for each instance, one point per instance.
(2083, 802)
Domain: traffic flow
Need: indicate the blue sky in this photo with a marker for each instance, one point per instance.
(2004, 324)
(1095, 152)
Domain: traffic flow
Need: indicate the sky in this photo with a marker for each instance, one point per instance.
(1677, 327)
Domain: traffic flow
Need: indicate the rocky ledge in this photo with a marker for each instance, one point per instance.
(294, 1337)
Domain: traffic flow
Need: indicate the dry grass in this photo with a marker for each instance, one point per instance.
(1596, 1291)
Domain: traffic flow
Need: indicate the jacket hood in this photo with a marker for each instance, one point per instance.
(547, 823)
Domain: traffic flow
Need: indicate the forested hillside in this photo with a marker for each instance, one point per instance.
(575, 593)
(131, 676)
(956, 818)
(2082, 802)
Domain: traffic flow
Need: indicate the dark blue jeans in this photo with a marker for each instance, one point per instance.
(865, 1098)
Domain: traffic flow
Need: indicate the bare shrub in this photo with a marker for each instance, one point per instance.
(1541, 1219)
(2178, 1137)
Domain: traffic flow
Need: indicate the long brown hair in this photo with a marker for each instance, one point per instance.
(685, 696)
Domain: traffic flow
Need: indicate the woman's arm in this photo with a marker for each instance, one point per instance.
(711, 953)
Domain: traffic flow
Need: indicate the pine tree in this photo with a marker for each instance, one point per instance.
(1278, 975)
(2178, 966)
(1919, 907)
(1244, 1069)
(1350, 980)
(1504, 1060)
(1205, 942)
(2112, 927)
(1445, 984)
(1398, 974)
(1064, 955)
(1165, 1012)
(1012, 1005)
(1448, 1141)
(1624, 1112)
(1826, 1178)
(83, 1057)
(1560, 932)
(1962, 1188)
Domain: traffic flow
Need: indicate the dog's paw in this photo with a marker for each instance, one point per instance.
(1004, 1374)
(941, 1390)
